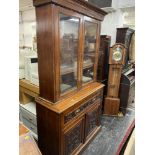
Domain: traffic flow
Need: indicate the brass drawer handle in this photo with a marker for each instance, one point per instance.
(94, 99)
(77, 111)
(31, 128)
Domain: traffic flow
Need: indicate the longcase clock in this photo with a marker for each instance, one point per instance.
(116, 61)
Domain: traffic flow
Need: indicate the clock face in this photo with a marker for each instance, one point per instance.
(117, 54)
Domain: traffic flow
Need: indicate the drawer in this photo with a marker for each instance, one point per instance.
(69, 116)
(26, 122)
(29, 125)
(33, 128)
(28, 115)
(20, 116)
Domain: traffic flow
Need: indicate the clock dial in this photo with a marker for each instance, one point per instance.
(117, 54)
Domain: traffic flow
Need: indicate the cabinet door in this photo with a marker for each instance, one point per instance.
(91, 46)
(73, 138)
(69, 33)
(91, 121)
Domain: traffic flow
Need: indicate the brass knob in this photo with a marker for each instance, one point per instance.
(94, 99)
(77, 111)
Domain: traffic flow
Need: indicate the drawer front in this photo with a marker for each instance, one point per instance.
(69, 116)
(33, 128)
(29, 125)
(26, 122)
(29, 116)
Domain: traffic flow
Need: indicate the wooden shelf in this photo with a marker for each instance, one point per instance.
(27, 91)
(91, 55)
(87, 65)
(67, 70)
(26, 84)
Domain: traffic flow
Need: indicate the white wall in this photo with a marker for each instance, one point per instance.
(27, 27)
(126, 3)
(28, 15)
(124, 16)
(110, 23)
(129, 17)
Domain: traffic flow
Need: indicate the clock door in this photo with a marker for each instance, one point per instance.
(91, 40)
(114, 80)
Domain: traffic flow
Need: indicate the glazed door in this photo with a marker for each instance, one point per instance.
(92, 121)
(78, 50)
(90, 52)
(73, 137)
(69, 33)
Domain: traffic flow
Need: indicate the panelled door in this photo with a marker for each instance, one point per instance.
(91, 121)
(73, 137)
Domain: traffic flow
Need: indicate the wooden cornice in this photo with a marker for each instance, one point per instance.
(80, 6)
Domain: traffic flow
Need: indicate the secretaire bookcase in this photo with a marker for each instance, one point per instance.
(68, 108)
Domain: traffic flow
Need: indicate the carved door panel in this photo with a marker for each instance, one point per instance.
(73, 138)
(92, 121)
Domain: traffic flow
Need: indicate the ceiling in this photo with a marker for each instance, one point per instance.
(25, 5)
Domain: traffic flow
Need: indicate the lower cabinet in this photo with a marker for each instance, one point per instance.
(68, 132)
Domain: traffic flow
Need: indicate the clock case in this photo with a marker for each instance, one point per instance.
(112, 102)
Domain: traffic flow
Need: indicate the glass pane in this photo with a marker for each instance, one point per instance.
(69, 34)
(89, 51)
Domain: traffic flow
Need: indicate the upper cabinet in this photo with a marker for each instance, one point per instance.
(68, 35)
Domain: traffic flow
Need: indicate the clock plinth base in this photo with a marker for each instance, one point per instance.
(111, 106)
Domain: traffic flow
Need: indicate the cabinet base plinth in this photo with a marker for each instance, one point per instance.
(111, 106)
